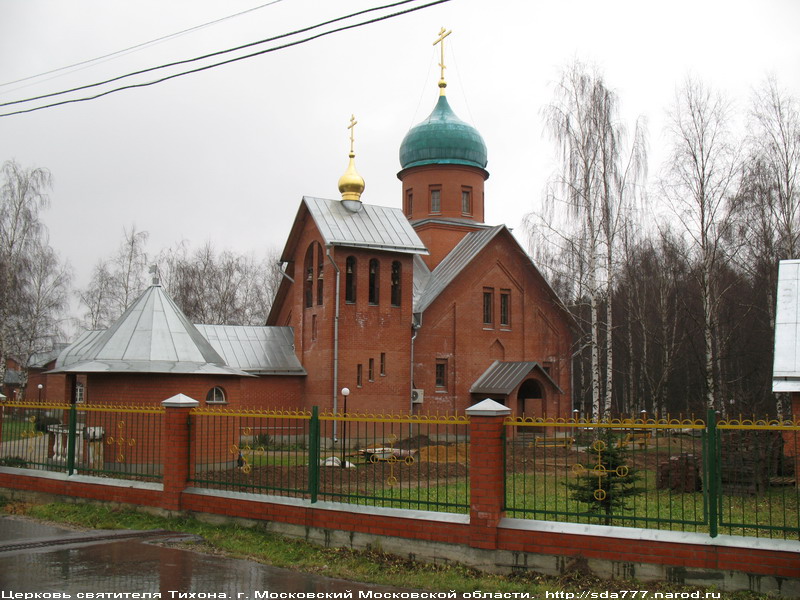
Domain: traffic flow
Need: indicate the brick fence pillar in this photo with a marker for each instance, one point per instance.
(175, 449)
(486, 471)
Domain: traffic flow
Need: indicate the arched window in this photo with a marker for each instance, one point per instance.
(320, 282)
(308, 277)
(396, 272)
(350, 280)
(215, 395)
(374, 281)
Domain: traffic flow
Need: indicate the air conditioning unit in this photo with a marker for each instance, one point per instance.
(417, 396)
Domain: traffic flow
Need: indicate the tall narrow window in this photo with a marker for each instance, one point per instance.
(396, 272)
(505, 308)
(350, 280)
(313, 327)
(441, 373)
(488, 306)
(308, 275)
(320, 264)
(466, 201)
(436, 201)
(371, 371)
(360, 375)
(409, 202)
(374, 281)
(383, 363)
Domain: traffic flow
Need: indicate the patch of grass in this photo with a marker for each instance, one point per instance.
(13, 428)
(373, 566)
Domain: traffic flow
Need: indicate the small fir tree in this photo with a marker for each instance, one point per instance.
(607, 482)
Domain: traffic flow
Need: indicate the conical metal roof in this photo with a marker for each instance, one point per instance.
(152, 336)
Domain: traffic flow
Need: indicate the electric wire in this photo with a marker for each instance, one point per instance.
(136, 47)
(214, 54)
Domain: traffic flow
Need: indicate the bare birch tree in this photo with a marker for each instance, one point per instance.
(39, 318)
(22, 195)
(594, 187)
(702, 174)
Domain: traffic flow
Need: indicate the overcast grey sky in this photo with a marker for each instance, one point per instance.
(227, 154)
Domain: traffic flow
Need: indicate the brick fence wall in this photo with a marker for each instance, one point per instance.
(485, 538)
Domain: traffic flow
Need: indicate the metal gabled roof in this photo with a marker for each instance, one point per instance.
(152, 336)
(786, 362)
(257, 350)
(501, 378)
(452, 264)
(39, 360)
(377, 227)
(73, 353)
(422, 275)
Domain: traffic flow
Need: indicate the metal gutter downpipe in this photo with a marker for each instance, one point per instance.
(335, 343)
(415, 325)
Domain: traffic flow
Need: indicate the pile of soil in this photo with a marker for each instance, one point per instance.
(455, 453)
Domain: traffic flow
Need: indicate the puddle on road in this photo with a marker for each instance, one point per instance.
(15, 530)
(138, 566)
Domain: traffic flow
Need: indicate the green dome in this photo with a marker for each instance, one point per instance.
(443, 138)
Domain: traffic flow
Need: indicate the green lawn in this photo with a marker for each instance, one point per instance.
(546, 497)
(13, 428)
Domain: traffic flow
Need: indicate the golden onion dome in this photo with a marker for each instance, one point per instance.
(351, 184)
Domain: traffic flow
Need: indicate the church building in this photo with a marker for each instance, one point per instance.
(423, 309)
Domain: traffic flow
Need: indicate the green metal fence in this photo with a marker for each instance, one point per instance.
(736, 476)
(410, 462)
(105, 440)
(250, 450)
(419, 462)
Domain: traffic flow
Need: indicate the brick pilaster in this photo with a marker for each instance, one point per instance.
(486, 471)
(175, 449)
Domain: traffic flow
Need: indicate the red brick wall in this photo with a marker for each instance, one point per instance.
(451, 180)
(453, 330)
(153, 388)
(365, 331)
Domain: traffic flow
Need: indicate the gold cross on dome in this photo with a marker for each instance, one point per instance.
(352, 128)
(443, 33)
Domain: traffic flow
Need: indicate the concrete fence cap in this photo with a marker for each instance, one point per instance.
(180, 401)
(488, 408)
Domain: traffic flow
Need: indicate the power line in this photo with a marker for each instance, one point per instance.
(221, 52)
(141, 45)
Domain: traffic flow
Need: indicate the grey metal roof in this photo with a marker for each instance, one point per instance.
(503, 377)
(786, 364)
(75, 351)
(452, 264)
(422, 275)
(258, 350)
(371, 226)
(39, 360)
(13, 377)
(152, 336)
